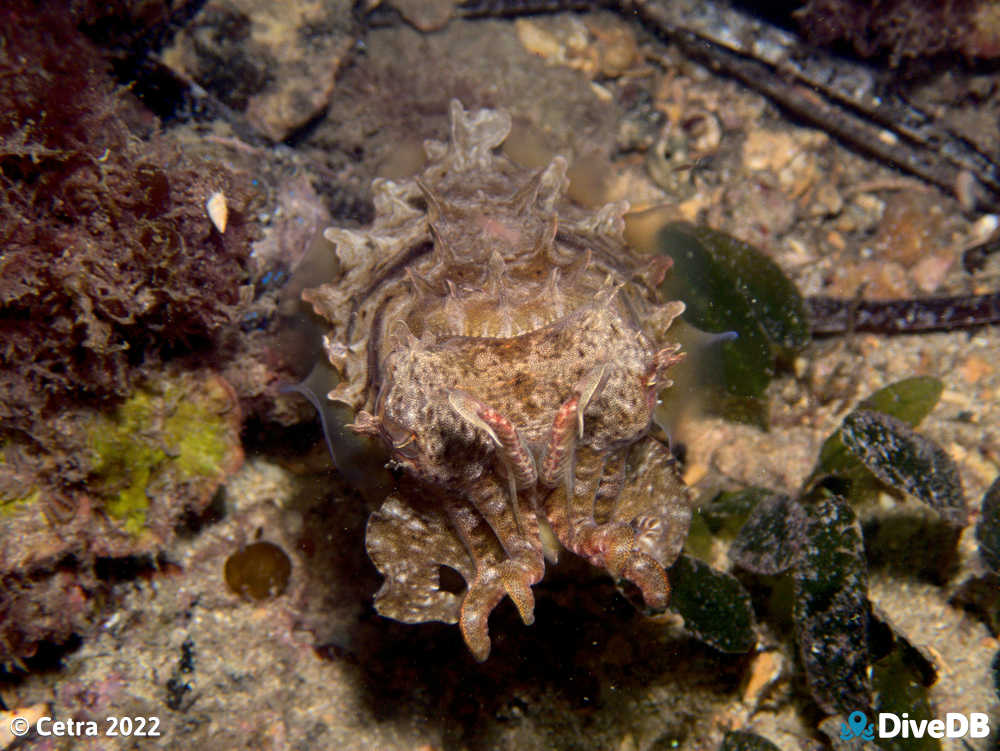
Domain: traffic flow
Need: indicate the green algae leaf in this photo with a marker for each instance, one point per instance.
(700, 538)
(769, 541)
(741, 740)
(728, 285)
(898, 688)
(772, 299)
(831, 605)
(715, 606)
(722, 516)
(906, 460)
(988, 528)
(714, 304)
(909, 400)
(729, 510)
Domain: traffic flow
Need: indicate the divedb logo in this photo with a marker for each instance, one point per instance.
(954, 725)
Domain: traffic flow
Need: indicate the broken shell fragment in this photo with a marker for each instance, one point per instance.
(218, 210)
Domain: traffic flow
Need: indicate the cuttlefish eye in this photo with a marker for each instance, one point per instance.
(403, 442)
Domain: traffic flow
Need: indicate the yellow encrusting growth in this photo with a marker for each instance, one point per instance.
(10, 504)
(174, 432)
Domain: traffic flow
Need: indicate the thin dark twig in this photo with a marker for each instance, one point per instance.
(839, 316)
(843, 98)
(846, 98)
(503, 8)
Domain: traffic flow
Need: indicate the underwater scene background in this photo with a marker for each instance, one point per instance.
(486, 375)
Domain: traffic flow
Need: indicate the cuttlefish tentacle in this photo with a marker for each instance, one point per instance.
(485, 590)
(512, 451)
(511, 446)
(518, 535)
(613, 545)
(557, 461)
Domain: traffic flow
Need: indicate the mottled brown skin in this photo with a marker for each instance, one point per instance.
(507, 349)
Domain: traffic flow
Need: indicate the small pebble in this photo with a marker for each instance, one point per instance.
(930, 272)
(768, 150)
(259, 571)
(836, 240)
(974, 369)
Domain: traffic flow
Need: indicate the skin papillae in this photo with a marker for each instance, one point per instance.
(509, 349)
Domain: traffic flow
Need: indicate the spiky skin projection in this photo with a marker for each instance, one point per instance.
(509, 350)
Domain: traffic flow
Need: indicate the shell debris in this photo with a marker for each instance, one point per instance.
(218, 210)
